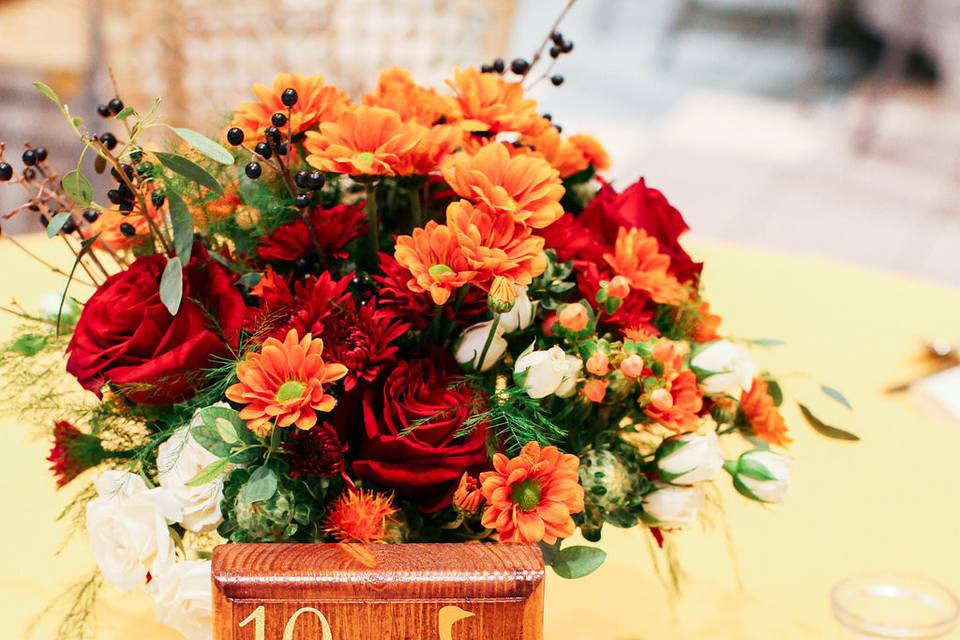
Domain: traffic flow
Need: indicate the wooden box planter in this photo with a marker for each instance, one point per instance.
(468, 591)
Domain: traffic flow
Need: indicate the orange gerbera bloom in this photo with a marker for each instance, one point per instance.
(531, 497)
(490, 103)
(316, 102)
(678, 408)
(495, 246)
(707, 324)
(637, 257)
(283, 383)
(361, 516)
(433, 257)
(566, 158)
(435, 147)
(396, 90)
(364, 141)
(592, 150)
(762, 414)
(524, 186)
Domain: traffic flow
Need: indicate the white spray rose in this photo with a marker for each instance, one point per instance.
(127, 526)
(761, 475)
(183, 599)
(673, 507)
(545, 372)
(469, 346)
(179, 460)
(733, 369)
(689, 458)
(522, 314)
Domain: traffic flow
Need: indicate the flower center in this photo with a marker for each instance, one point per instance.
(437, 271)
(365, 159)
(526, 495)
(289, 390)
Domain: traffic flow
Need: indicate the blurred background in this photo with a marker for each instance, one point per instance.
(828, 127)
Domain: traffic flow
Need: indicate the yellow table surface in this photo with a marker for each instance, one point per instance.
(889, 501)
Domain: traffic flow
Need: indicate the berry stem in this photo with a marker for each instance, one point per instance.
(546, 41)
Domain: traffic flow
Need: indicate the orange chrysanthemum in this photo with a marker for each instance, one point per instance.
(317, 102)
(678, 409)
(524, 186)
(707, 324)
(361, 516)
(282, 384)
(433, 257)
(531, 497)
(762, 414)
(592, 150)
(396, 90)
(214, 211)
(637, 257)
(495, 246)
(108, 226)
(490, 103)
(566, 158)
(364, 141)
(435, 147)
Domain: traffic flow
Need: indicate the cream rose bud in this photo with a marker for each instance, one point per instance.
(469, 347)
(545, 372)
(182, 598)
(673, 507)
(522, 314)
(760, 475)
(689, 458)
(732, 369)
(179, 460)
(127, 527)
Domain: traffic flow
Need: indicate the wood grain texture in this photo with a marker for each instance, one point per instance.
(382, 592)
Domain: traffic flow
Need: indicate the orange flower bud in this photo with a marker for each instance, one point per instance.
(632, 366)
(619, 287)
(468, 497)
(595, 390)
(574, 317)
(598, 364)
(661, 399)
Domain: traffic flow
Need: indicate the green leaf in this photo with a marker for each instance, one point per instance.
(50, 93)
(209, 473)
(190, 170)
(227, 433)
(824, 429)
(56, 223)
(125, 113)
(579, 561)
(28, 344)
(550, 551)
(171, 285)
(204, 145)
(76, 185)
(768, 342)
(261, 485)
(836, 395)
(775, 391)
(182, 223)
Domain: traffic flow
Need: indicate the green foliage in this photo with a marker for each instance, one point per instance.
(79, 620)
(825, 429)
(555, 285)
(190, 170)
(577, 561)
(171, 285)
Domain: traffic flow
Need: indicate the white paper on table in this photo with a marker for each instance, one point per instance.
(939, 393)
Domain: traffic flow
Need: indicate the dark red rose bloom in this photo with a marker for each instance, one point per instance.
(572, 240)
(127, 338)
(73, 452)
(360, 340)
(425, 464)
(334, 228)
(314, 452)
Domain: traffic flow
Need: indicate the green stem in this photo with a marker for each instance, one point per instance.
(373, 219)
(415, 207)
(490, 336)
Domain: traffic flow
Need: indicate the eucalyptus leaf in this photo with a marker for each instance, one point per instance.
(171, 285)
(226, 431)
(578, 561)
(261, 485)
(56, 223)
(549, 551)
(768, 342)
(125, 113)
(204, 145)
(825, 429)
(50, 93)
(210, 416)
(209, 473)
(836, 395)
(190, 170)
(78, 187)
(775, 391)
(182, 223)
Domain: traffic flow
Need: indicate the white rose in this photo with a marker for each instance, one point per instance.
(733, 370)
(521, 316)
(689, 458)
(183, 599)
(127, 526)
(545, 372)
(469, 346)
(673, 507)
(181, 458)
(761, 475)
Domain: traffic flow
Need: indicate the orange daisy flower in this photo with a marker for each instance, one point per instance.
(317, 102)
(495, 246)
(524, 186)
(490, 103)
(531, 497)
(637, 257)
(214, 211)
(433, 257)
(282, 384)
(592, 150)
(435, 147)
(362, 516)
(364, 141)
(762, 414)
(566, 158)
(677, 407)
(108, 226)
(707, 324)
(396, 90)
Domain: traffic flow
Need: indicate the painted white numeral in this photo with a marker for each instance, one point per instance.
(259, 615)
(292, 624)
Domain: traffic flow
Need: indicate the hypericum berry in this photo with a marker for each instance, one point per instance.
(289, 97)
(302, 200)
(43, 220)
(136, 155)
(235, 136)
(567, 46)
(557, 38)
(263, 150)
(558, 128)
(127, 169)
(158, 197)
(315, 181)
(104, 111)
(91, 215)
(69, 226)
(557, 80)
(29, 174)
(144, 168)
(126, 206)
(555, 52)
(300, 179)
(116, 106)
(29, 157)
(282, 149)
(272, 134)
(125, 192)
(128, 229)
(114, 196)
(41, 154)
(279, 119)
(486, 68)
(519, 66)
(109, 140)
(499, 65)
(548, 117)
(6, 171)
(253, 170)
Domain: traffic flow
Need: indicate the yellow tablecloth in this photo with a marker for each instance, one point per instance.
(888, 501)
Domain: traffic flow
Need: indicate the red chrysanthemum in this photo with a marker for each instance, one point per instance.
(315, 452)
(334, 229)
(73, 452)
(314, 299)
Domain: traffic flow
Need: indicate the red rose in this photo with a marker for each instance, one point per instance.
(127, 338)
(409, 441)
